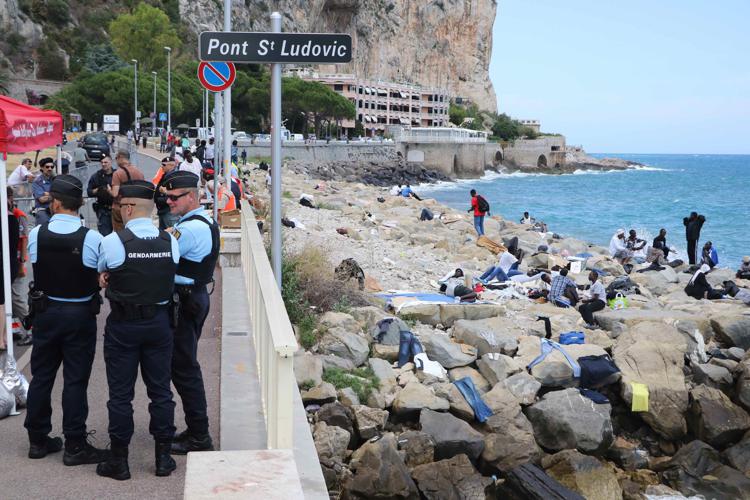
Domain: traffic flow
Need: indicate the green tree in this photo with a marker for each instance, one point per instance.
(506, 128)
(100, 58)
(456, 114)
(142, 36)
(51, 62)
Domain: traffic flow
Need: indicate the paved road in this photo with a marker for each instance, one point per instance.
(23, 479)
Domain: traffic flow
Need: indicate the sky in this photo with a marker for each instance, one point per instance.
(641, 76)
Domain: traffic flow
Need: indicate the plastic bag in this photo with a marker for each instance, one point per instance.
(619, 302)
(6, 402)
(22, 392)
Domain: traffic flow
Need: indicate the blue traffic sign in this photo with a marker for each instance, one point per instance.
(216, 76)
(162, 117)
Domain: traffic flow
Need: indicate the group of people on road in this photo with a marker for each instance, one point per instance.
(156, 283)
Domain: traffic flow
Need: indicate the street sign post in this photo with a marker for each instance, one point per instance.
(216, 76)
(111, 123)
(251, 47)
(276, 48)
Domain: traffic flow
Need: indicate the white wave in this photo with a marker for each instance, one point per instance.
(647, 168)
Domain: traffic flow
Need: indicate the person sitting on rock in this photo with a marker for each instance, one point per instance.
(731, 289)
(634, 243)
(699, 288)
(396, 190)
(743, 272)
(596, 301)
(527, 219)
(617, 248)
(563, 291)
(408, 193)
(660, 243)
(506, 267)
(709, 255)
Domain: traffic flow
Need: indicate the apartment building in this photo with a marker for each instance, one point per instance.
(382, 104)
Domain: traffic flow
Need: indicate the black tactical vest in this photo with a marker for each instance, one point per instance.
(202, 272)
(59, 269)
(147, 275)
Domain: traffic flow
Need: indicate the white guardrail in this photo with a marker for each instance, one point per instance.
(273, 335)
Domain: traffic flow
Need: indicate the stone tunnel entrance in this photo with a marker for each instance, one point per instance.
(541, 161)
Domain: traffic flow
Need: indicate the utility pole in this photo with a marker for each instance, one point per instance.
(135, 95)
(276, 159)
(153, 119)
(227, 108)
(169, 88)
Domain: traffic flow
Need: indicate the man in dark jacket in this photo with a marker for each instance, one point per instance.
(100, 186)
(693, 225)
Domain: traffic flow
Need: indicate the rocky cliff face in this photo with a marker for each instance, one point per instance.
(444, 43)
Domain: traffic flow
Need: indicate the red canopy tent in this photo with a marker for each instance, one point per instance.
(23, 128)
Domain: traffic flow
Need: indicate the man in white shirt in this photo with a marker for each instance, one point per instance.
(191, 164)
(596, 300)
(210, 153)
(21, 175)
(506, 268)
(617, 248)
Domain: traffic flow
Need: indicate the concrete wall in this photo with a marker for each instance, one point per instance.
(322, 152)
(543, 152)
(451, 159)
(454, 159)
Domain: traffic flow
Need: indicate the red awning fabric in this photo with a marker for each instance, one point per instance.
(26, 128)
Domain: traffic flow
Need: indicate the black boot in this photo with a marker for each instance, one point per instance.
(116, 465)
(165, 464)
(182, 436)
(193, 443)
(39, 448)
(80, 451)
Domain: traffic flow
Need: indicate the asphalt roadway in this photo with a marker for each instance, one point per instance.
(23, 479)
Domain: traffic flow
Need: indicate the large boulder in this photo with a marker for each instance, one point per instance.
(713, 417)
(320, 394)
(458, 404)
(308, 368)
(345, 321)
(623, 319)
(451, 479)
(481, 383)
(452, 436)
(330, 442)
(584, 474)
(510, 441)
(653, 354)
(487, 335)
(415, 396)
(523, 386)
(742, 389)
(734, 331)
(501, 400)
(497, 367)
(738, 456)
(383, 370)
(566, 420)
(439, 347)
(336, 414)
(379, 472)
(554, 370)
(369, 422)
(418, 448)
(657, 282)
(696, 469)
(447, 314)
(712, 375)
(344, 344)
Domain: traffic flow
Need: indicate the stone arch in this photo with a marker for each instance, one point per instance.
(498, 156)
(541, 162)
(557, 165)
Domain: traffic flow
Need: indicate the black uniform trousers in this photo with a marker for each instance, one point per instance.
(691, 244)
(186, 371)
(148, 343)
(65, 333)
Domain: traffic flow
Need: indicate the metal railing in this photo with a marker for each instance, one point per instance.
(273, 335)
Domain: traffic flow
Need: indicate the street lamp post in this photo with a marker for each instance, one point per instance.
(153, 118)
(135, 96)
(169, 88)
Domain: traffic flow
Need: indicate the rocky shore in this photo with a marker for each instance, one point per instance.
(401, 433)
(578, 159)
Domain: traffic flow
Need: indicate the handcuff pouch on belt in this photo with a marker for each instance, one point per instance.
(122, 311)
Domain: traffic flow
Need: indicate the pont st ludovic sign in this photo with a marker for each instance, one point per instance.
(246, 47)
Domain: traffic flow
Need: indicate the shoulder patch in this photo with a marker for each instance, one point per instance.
(176, 233)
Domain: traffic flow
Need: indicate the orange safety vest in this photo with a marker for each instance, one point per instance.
(231, 203)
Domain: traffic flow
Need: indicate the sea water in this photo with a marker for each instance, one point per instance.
(592, 205)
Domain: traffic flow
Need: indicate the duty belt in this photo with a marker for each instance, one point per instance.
(122, 311)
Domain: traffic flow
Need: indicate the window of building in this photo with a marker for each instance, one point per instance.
(338, 87)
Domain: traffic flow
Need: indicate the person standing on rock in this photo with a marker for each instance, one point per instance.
(693, 225)
(481, 208)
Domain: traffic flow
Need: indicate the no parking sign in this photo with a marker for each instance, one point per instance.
(216, 76)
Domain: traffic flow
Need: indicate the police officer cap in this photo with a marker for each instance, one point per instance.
(182, 179)
(67, 185)
(137, 189)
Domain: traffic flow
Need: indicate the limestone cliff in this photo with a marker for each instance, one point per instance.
(445, 43)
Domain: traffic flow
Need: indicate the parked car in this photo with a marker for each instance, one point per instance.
(96, 145)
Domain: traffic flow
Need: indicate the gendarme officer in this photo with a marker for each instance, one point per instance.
(138, 265)
(65, 301)
(198, 238)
